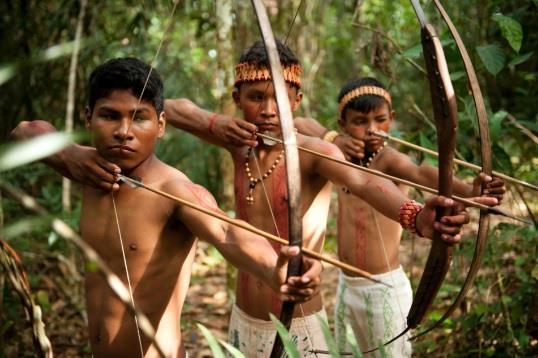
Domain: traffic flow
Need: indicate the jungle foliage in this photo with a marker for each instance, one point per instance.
(336, 41)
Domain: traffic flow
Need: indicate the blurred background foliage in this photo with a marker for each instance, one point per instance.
(336, 41)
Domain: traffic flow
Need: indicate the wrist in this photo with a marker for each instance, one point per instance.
(408, 215)
(212, 119)
(330, 136)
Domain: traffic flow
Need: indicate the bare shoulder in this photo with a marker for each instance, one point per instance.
(320, 146)
(178, 184)
(391, 160)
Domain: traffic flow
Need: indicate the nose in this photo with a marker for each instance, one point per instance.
(269, 108)
(123, 131)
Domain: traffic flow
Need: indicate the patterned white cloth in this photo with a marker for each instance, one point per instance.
(376, 313)
(254, 337)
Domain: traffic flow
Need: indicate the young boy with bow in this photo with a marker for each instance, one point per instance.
(148, 240)
(366, 239)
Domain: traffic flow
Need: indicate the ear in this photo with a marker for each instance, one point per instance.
(161, 122)
(392, 115)
(235, 96)
(297, 100)
(87, 117)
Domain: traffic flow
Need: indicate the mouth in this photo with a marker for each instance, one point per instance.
(121, 149)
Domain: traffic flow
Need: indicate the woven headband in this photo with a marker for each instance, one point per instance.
(251, 71)
(363, 91)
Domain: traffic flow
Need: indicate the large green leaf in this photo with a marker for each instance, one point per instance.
(495, 122)
(511, 30)
(16, 154)
(216, 350)
(329, 339)
(493, 58)
(289, 346)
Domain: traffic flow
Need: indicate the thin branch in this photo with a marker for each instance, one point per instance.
(399, 49)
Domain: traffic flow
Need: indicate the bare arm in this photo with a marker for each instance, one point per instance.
(219, 129)
(401, 166)
(384, 196)
(77, 162)
(244, 249)
(351, 147)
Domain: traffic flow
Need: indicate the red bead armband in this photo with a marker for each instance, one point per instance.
(212, 120)
(408, 215)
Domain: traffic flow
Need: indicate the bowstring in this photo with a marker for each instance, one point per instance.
(382, 243)
(127, 273)
(152, 65)
(258, 168)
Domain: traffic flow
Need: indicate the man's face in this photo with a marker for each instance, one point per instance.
(258, 103)
(357, 124)
(122, 135)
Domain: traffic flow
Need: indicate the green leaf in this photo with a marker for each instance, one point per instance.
(492, 57)
(495, 122)
(329, 339)
(7, 71)
(211, 341)
(236, 353)
(16, 154)
(42, 299)
(23, 226)
(456, 75)
(413, 52)
(511, 30)
(289, 346)
(352, 342)
(516, 61)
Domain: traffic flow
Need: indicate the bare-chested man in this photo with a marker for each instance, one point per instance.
(250, 330)
(254, 95)
(157, 234)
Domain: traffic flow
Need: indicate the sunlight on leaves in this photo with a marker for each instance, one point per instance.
(7, 72)
(16, 154)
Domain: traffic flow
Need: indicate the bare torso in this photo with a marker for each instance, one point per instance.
(252, 296)
(367, 239)
(159, 252)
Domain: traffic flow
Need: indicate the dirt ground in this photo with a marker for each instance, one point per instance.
(207, 302)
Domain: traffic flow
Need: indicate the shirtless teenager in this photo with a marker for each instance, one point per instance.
(158, 235)
(366, 239)
(255, 97)
(250, 329)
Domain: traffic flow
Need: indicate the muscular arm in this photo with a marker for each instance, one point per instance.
(245, 250)
(384, 196)
(222, 130)
(401, 166)
(351, 147)
(77, 162)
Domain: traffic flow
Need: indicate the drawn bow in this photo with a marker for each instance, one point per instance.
(293, 177)
(485, 150)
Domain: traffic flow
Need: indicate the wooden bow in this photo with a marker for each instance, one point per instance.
(291, 153)
(485, 148)
(445, 113)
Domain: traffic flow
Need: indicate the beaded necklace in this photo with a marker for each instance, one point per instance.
(255, 181)
(366, 163)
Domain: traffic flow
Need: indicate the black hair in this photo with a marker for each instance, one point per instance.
(366, 103)
(126, 74)
(257, 54)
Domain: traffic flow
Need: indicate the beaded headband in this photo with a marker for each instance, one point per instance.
(363, 91)
(251, 71)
